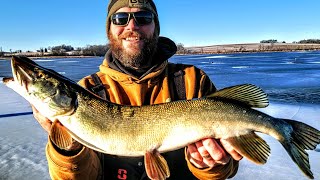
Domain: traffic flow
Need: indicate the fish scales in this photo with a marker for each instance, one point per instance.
(135, 129)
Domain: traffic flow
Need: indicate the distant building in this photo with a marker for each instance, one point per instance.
(73, 53)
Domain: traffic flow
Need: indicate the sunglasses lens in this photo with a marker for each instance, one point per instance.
(143, 17)
(120, 18)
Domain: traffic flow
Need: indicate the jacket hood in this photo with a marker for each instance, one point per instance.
(166, 48)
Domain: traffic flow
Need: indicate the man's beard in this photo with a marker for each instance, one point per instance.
(136, 58)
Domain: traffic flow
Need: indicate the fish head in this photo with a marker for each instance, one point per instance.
(51, 93)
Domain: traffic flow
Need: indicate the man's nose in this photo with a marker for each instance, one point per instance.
(132, 25)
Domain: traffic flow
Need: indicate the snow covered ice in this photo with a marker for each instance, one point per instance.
(290, 79)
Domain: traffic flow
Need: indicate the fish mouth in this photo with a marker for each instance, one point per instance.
(42, 86)
(34, 79)
(26, 71)
(23, 70)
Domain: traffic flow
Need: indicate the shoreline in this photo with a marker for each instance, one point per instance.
(46, 57)
(249, 48)
(243, 52)
(178, 54)
(211, 49)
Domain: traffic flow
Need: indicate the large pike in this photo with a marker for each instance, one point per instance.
(152, 129)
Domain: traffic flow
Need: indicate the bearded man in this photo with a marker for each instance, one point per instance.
(136, 72)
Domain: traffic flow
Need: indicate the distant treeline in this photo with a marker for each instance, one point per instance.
(270, 41)
(269, 45)
(310, 41)
(305, 41)
(90, 50)
(100, 50)
(62, 50)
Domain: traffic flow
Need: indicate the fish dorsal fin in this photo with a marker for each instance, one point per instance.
(249, 94)
(156, 166)
(59, 135)
(251, 146)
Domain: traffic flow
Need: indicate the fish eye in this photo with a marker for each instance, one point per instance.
(41, 74)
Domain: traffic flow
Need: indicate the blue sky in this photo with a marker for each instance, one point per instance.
(34, 24)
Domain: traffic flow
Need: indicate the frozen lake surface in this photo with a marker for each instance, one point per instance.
(291, 79)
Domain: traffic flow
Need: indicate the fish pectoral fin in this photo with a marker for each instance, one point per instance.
(156, 166)
(60, 136)
(251, 146)
(63, 138)
(248, 94)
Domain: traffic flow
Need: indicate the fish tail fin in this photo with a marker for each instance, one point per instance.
(303, 137)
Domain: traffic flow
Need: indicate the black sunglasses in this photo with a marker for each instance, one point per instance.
(123, 18)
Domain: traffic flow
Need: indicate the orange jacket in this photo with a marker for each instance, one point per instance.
(153, 88)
